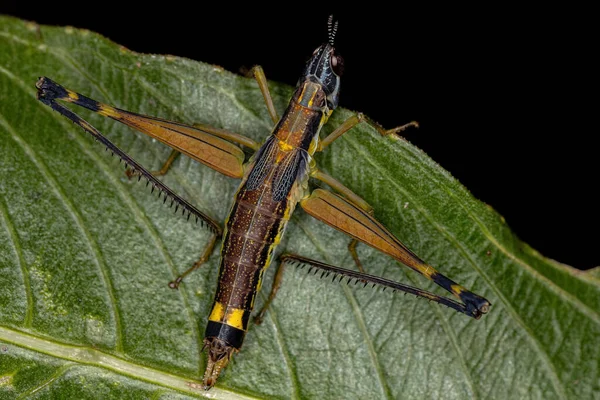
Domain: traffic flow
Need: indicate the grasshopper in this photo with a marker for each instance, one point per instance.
(274, 181)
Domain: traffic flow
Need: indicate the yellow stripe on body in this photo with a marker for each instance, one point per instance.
(233, 317)
(315, 142)
(229, 316)
(291, 205)
(285, 147)
(217, 313)
(311, 100)
(267, 263)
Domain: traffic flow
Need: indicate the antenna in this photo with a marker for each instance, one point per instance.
(331, 29)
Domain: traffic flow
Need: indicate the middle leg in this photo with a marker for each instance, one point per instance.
(357, 119)
(162, 171)
(174, 284)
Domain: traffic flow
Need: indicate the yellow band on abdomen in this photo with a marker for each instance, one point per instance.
(217, 313)
(235, 317)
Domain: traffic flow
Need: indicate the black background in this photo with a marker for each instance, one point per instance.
(506, 96)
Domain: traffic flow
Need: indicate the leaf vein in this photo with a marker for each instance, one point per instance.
(286, 354)
(78, 219)
(454, 342)
(127, 198)
(579, 305)
(14, 237)
(358, 315)
(57, 374)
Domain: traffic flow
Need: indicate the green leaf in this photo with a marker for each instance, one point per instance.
(86, 254)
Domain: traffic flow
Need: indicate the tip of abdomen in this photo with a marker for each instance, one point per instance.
(219, 354)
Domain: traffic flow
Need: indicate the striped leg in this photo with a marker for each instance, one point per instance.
(229, 162)
(365, 279)
(352, 220)
(209, 146)
(258, 74)
(200, 145)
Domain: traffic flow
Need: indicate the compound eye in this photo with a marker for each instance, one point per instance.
(337, 64)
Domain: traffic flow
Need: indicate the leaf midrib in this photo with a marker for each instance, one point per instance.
(94, 357)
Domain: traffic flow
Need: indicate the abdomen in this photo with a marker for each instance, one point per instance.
(252, 232)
